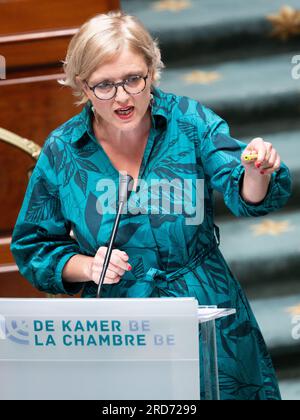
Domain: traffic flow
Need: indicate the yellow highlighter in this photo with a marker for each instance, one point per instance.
(250, 157)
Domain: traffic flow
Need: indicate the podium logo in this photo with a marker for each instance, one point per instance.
(2, 68)
(15, 331)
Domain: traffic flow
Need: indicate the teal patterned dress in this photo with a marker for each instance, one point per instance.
(172, 253)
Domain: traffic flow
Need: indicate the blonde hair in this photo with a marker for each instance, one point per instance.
(100, 40)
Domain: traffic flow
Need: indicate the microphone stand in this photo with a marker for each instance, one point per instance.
(124, 194)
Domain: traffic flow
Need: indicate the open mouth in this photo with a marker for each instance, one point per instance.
(125, 112)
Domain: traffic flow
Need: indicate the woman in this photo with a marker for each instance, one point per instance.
(129, 125)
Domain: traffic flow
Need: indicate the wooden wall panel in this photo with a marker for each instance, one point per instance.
(38, 49)
(40, 15)
(34, 35)
(13, 285)
(32, 109)
(34, 106)
(13, 185)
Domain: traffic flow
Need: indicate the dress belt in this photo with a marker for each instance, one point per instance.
(154, 274)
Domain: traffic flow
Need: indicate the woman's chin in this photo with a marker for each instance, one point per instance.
(129, 124)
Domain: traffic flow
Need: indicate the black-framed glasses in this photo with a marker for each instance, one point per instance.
(133, 85)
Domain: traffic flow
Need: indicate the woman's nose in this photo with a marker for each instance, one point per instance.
(121, 95)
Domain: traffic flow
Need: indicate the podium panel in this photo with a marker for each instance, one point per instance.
(99, 349)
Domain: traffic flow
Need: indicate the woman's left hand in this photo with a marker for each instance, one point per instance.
(268, 160)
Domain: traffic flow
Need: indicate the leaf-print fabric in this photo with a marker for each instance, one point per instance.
(169, 256)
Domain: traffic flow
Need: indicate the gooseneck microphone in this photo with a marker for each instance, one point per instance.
(124, 192)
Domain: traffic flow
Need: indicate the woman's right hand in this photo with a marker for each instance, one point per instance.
(118, 264)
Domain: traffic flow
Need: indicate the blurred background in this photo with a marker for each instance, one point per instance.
(242, 59)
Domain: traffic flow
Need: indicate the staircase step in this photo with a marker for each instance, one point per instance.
(279, 325)
(290, 389)
(210, 29)
(288, 145)
(256, 89)
(264, 264)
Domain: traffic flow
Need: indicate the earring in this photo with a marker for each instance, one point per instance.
(95, 115)
(151, 99)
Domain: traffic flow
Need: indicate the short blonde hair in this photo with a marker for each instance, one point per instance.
(100, 40)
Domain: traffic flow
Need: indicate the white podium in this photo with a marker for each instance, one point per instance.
(107, 349)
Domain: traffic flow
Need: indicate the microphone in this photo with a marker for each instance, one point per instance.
(124, 181)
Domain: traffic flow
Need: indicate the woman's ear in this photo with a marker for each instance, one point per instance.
(151, 76)
(82, 85)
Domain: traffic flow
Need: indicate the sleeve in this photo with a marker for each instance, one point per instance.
(221, 159)
(41, 242)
